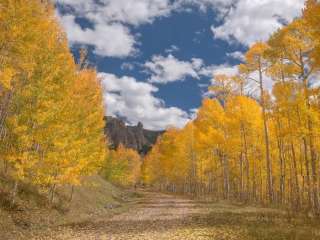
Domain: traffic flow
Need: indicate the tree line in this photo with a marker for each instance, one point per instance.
(252, 142)
(51, 111)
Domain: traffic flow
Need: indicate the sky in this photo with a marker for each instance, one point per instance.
(156, 58)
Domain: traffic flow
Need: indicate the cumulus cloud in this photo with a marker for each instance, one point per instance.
(133, 12)
(225, 69)
(111, 19)
(110, 35)
(251, 86)
(126, 97)
(170, 69)
(254, 20)
(127, 66)
(107, 39)
(220, 5)
(136, 12)
(76, 4)
(236, 55)
(245, 21)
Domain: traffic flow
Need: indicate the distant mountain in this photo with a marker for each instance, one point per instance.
(135, 137)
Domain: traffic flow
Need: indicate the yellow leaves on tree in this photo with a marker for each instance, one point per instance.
(51, 118)
(6, 77)
(259, 146)
(312, 17)
(123, 167)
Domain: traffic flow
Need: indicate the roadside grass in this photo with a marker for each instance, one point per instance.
(33, 216)
(254, 223)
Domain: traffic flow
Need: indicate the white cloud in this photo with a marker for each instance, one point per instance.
(252, 86)
(76, 4)
(170, 69)
(220, 5)
(133, 12)
(127, 66)
(172, 49)
(246, 21)
(136, 12)
(225, 69)
(194, 113)
(236, 55)
(110, 34)
(254, 20)
(108, 39)
(126, 97)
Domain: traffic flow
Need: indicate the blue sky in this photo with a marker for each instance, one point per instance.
(156, 58)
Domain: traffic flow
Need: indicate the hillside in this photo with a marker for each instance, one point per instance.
(32, 216)
(135, 137)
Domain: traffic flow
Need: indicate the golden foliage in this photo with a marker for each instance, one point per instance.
(51, 114)
(263, 147)
(123, 167)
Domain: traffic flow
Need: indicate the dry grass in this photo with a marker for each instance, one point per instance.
(164, 217)
(102, 211)
(33, 216)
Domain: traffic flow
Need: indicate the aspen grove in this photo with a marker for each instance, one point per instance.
(249, 142)
(51, 112)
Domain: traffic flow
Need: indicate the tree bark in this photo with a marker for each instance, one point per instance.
(266, 138)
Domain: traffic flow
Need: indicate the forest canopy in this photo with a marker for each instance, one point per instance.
(51, 111)
(249, 142)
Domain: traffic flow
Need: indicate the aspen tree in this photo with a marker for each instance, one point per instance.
(312, 17)
(264, 150)
(51, 116)
(124, 167)
(255, 62)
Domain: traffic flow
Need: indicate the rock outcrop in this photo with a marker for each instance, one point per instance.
(135, 137)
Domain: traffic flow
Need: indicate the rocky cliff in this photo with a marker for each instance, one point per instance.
(135, 137)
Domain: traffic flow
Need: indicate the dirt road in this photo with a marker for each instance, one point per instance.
(165, 217)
